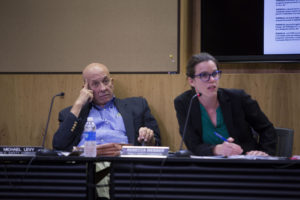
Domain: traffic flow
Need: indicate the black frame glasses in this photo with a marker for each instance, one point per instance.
(205, 76)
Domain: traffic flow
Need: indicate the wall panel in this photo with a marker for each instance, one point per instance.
(64, 35)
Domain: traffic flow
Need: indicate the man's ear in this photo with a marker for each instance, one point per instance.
(112, 83)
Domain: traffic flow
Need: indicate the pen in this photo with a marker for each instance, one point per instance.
(221, 137)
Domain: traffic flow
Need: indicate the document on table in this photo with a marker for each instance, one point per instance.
(242, 157)
(207, 157)
(248, 157)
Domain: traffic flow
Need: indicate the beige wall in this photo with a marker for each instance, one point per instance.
(63, 35)
(25, 99)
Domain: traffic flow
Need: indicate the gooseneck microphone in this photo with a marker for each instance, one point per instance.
(44, 151)
(49, 114)
(181, 152)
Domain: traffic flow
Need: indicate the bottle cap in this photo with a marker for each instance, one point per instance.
(90, 119)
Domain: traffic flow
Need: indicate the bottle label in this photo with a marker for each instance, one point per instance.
(90, 136)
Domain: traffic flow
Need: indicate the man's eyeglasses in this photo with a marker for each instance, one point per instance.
(205, 76)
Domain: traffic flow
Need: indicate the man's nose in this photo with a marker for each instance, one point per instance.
(102, 87)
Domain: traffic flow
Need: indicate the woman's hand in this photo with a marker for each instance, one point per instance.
(256, 153)
(228, 148)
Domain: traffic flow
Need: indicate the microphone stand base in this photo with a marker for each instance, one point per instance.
(46, 152)
(182, 153)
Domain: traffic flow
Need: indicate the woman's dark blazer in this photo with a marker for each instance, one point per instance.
(240, 113)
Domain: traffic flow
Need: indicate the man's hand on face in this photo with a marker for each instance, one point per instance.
(85, 95)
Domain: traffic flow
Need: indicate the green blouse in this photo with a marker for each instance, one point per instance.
(208, 128)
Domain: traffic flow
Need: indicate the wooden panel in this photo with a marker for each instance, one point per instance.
(26, 101)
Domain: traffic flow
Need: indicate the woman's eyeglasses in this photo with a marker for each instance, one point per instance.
(205, 76)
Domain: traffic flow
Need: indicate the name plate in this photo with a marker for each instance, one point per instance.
(144, 151)
(18, 150)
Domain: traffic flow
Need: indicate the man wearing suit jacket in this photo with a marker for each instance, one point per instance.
(118, 121)
(125, 120)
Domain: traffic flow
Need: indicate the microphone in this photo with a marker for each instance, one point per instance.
(181, 152)
(45, 151)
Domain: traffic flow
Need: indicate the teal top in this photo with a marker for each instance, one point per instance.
(208, 128)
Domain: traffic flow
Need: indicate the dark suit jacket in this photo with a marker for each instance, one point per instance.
(240, 113)
(135, 113)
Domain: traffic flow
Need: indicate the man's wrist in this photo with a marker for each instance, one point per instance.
(76, 108)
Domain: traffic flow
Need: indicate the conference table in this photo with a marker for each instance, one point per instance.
(73, 177)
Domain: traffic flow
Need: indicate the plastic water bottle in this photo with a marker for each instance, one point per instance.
(90, 138)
